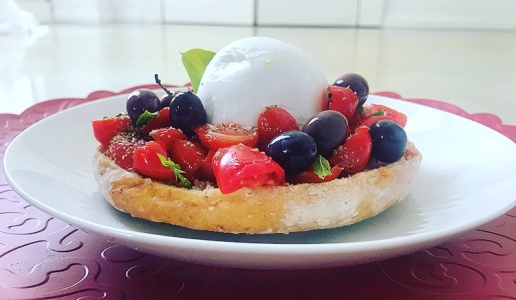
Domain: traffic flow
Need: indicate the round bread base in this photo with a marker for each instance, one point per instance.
(279, 209)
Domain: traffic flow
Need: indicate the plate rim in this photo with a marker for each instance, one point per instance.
(434, 236)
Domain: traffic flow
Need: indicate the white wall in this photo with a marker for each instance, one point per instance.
(478, 14)
(41, 9)
(227, 12)
(449, 14)
(307, 12)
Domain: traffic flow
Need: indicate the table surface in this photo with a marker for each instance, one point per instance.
(43, 257)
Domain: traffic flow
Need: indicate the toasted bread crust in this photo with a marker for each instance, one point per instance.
(280, 209)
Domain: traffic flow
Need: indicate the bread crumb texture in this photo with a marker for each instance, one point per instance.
(280, 209)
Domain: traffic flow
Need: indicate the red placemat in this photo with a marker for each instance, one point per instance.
(44, 258)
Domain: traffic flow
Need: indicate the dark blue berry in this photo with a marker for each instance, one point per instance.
(389, 141)
(187, 112)
(293, 150)
(357, 84)
(328, 129)
(142, 100)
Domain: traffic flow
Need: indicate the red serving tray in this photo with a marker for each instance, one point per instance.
(44, 258)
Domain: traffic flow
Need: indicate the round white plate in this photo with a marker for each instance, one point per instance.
(467, 178)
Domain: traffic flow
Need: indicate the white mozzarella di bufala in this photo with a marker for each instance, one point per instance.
(250, 74)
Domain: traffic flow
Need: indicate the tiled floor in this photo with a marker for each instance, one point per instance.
(473, 70)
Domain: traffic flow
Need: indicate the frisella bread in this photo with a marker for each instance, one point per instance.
(258, 162)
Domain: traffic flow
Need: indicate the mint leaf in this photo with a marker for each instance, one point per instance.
(177, 170)
(195, 62)
(322, 167)
(145, 117)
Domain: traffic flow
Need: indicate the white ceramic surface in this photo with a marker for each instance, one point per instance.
(467, 178)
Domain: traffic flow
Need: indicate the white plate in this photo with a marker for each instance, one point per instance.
(467, 178)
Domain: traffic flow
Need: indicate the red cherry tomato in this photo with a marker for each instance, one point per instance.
(205, 171)
(354, 154)
(376, 112)
(189, 155)
(309, 176)
(148, 163)
(354, 121)
(343, 100)
(215, 136)
(241, 166)
(357, 117)
(273, 121)
(167, 136)
(121, 150)
(105, 129)
(161, 121)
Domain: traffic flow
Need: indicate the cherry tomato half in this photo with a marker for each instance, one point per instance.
(343, 100)
(309, 176)
(205, 171)
(148, 163)
(167, 136)
(273, 121)
(376, 112)
(161, 121)
(189, 155)
(241, 166)
(216, 136)
(121, 150)
(105, 129)
(354, 154)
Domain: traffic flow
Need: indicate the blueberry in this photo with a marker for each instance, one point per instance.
(389, 141)
(357, 84)
(142, 100)
(328, 129)
(187, 112)
(293, 150)
(166, 99)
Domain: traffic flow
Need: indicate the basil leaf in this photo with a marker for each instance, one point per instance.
(195, 62)
(177, 170)
(322, 167)
(381, 112)
(145, 117)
